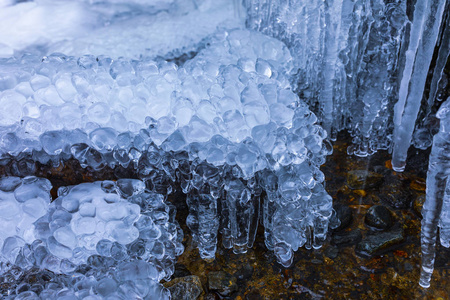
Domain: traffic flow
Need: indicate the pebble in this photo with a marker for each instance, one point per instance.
(379, 217)
(185, 288)
(222, 282)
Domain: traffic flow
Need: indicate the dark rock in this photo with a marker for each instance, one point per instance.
(244, 273)
(254, 295)
(418, 204)
(396, 192)
(331, 252)
(346, 238)
(185, 288)
(181, 271)
(222, 282)
(345, 216)
(375, 243)
(363, 179)
(379, 217)
(211, 296)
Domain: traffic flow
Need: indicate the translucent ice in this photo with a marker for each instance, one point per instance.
(22, 202)
(116, 28)
(435, 210)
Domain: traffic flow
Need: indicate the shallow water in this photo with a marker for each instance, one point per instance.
(335, 271)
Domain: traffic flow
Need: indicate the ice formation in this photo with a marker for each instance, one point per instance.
(436, 209)
(114, 239)
(362, 66)
(232, 127)
(22, 202)
(118, 28)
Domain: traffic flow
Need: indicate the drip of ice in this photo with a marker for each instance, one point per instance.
(424, 33)
(436, 208)
(423, 134)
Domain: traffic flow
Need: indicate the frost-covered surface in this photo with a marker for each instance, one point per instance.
(114, 239)
(436, 209)
(22, 202)
(116, 28)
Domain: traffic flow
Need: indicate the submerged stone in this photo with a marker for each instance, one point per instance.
(375, 243)
(363, 179)
(379, 217)
(222, 282)
(185, 288)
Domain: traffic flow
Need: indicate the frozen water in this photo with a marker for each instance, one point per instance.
(22, 202)
(231, 109)
(118, 220)
(114, 239)
(435, 210)
(232, 127)
(117, 28)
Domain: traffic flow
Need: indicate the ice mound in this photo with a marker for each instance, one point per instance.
(118, 28)
(127, 280)
(22, 202)
(114, 239)
(216, 128)
(116, 220)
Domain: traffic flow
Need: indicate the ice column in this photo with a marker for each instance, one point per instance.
(424, 32)
(437, 177)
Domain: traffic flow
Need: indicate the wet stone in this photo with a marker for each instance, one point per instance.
(379, 217)
(396, 192)
(181, 271)
(363, 179)
(245, 272)
(222, 282)
(375, 243)
(346, 238)
(331, 252)
(211, 296)
(345, 216)
(185, 288)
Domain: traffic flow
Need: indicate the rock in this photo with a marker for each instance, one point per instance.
(418, 204)
(185, 288)
(396, 192)
(344, 214)
(254, 295)
(363, 179)
(331, 252)
(210, 296)
(181, 271)
(244, 273)
(346, 238)
(379, 217)
(222, 282)
(375, 243)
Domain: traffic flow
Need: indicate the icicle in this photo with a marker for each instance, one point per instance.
(333, 13)
(438, 174)
(424, 32)
(423, 134)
